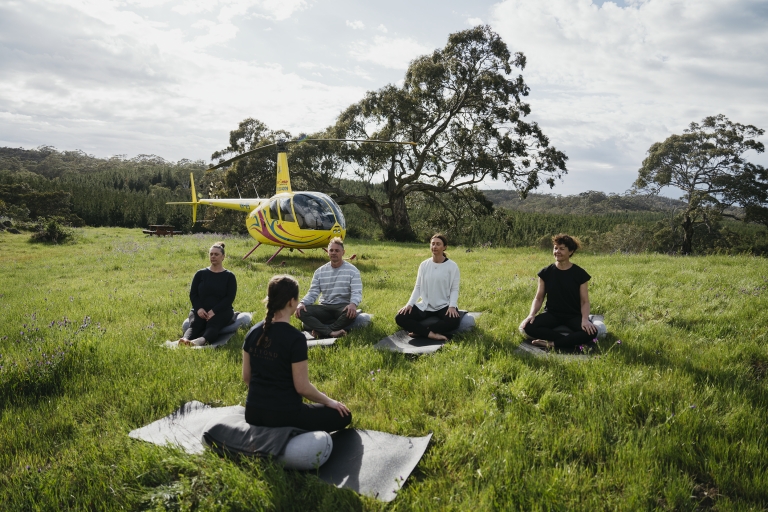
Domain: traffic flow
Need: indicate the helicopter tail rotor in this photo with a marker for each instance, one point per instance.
(195, 203)
(194, 198)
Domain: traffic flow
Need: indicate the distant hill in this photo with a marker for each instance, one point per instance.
(586, 203)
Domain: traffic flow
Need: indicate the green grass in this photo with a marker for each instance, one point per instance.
(671, 418)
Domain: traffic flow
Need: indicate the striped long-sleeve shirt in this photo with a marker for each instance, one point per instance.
(340, 285)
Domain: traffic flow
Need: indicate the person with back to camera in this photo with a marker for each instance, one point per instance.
(212, 293)
(276, 372)
(340, 287)
(437, 284)
(565, 286)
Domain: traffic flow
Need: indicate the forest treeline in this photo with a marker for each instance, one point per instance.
(78, 189)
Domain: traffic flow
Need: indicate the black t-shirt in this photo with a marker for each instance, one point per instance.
(271, 385)
(562, 289)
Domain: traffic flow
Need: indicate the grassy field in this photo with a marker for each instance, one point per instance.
(670, 413)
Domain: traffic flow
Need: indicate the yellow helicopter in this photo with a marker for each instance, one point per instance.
(297, 220)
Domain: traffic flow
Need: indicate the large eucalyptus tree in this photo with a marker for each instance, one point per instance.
(462, 106)
(707, 163)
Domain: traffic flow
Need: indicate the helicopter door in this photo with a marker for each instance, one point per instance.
(273, 210)
(313, 212)
(285, 210)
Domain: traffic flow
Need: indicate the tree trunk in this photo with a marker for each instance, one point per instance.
(397, 226)
(687, 247)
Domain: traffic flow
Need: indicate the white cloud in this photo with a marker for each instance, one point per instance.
(473, 22)
(381, 28)
(282, 9)
(335, 70)
(356, 25)
(623, 78)
(394, 53)
(107, 80)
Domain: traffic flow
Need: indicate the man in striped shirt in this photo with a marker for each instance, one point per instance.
(341, 289)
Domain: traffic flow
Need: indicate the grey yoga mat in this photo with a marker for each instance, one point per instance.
(369, 462)
(401, 342)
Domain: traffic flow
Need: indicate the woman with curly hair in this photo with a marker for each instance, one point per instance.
(276, 372)
(565, 285)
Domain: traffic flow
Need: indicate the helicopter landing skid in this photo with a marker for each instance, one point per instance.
(251, 251)
(273, 256)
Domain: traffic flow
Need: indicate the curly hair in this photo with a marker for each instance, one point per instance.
(571, 242)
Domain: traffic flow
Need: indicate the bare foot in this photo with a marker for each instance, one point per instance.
(436, 336)
(198, 341)
(543, 343)
(184, 341)
(338, 334)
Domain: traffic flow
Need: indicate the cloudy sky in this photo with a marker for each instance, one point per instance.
(173, 77)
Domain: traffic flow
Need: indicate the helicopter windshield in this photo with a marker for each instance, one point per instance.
(336, 209)
(313, 212)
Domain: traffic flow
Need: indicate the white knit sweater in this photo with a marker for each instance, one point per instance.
(437, 284)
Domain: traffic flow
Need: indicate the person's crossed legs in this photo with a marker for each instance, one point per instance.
(542, 330)
(412, 322)
(326, 320)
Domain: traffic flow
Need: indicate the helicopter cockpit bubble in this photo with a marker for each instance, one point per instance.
(313, 212)
(336, 210)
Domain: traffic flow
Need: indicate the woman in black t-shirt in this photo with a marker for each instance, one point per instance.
(212, 293)
(565, 285)
(276, 372)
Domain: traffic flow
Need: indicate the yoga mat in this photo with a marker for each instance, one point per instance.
(527, 349)
(220, 342)
(312, 342)
(184, 427)
(372, 463)
(401, 342)
(225, 334)
(369, 462)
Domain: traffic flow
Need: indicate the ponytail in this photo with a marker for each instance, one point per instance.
(280, 290)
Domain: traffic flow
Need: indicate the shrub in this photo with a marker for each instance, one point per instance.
(51, 231)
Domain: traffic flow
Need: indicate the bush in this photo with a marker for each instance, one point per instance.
(51, 231)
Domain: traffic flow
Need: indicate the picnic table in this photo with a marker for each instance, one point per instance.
(161, 230)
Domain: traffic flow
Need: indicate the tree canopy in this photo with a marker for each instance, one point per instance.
(707, 163)
(463, 107)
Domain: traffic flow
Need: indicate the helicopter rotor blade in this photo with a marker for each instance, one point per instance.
(238, 157)
(354, 140)
(248, 153)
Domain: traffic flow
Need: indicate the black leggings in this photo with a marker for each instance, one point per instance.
(208, 329)
(411, 322)
(309, 417)
(543, 326)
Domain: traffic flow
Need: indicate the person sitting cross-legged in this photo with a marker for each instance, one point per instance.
(565, 285)
(340, 289)
(437, 285)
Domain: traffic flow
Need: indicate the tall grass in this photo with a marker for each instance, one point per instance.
(671, 418)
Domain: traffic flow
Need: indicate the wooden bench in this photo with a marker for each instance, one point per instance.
(160, 230)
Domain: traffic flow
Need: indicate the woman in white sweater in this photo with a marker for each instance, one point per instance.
(437, 284)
